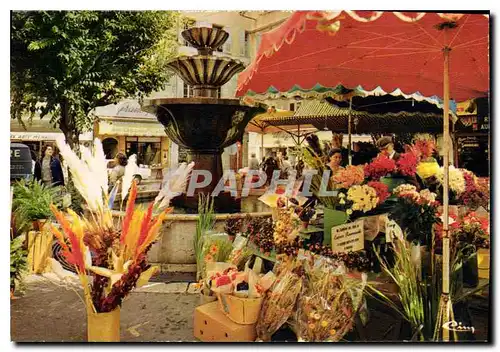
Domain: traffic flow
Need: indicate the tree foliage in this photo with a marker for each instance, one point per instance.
(67, 63)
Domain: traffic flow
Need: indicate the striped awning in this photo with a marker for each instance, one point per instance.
(326, 115)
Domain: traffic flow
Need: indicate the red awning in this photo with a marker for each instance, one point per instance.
(387, 49)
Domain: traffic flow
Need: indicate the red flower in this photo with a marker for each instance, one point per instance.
(424, 148)
(407, 164)
(380, 167)
(381, 189)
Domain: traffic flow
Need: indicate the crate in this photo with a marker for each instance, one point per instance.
(212, 325)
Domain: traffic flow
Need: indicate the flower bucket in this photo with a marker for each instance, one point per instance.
(332, 218)
(103, 327)
(240, 310)
(483, 263)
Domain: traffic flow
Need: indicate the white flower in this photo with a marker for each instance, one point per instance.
(89, 174)
(130, 170)
(404, 188)
(174, 183)
(456, 179)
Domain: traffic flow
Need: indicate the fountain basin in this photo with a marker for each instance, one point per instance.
(175, 244)
(204, 126)
(205, 39)
(205, 72)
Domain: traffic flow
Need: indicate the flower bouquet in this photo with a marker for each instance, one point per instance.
(109, 261)
(415, 212)
(380, 167)
(328, 303)
(279, 302)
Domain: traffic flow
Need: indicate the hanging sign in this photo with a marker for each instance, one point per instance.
(392, 230)
(348, 237)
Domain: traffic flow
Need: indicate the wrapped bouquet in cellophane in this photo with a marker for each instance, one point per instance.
(328, 302)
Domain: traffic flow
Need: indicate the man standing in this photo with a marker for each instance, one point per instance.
(386, 147)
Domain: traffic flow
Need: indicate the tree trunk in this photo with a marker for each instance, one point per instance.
(67, 124)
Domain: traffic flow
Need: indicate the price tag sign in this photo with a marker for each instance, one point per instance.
(392, 230)
(348, 237)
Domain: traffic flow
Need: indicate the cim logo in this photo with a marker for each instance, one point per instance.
(457, 327)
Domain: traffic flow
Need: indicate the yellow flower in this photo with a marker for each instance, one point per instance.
(324, 323)
(342, 201)
(317, 316)
(312, 326)
(349, 211)
(333, 332)
(426, 169)
(311, 315)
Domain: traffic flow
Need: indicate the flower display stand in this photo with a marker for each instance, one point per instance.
(39, 250)
(103, 327)
(332, 218)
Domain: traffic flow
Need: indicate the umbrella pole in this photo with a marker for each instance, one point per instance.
(349, 131)
(445, 307)
(262, 145)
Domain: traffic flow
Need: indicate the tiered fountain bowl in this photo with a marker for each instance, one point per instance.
(205, 124)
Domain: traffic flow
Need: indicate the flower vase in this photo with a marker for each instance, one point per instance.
(332, 218)
(103, 327)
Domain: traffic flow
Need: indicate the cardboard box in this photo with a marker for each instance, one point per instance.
(211, 325)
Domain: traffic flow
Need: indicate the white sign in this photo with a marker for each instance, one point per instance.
(392, 230)
(348, 237)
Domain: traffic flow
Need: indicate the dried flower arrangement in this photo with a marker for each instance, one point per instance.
(328, 303)
(279, 302)
(118, 262)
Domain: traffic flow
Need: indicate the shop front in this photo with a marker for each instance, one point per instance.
(143, 137)
(38, 134)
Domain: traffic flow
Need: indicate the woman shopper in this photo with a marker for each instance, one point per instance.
(49, 169)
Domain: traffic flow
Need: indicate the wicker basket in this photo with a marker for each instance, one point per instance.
(240, 310)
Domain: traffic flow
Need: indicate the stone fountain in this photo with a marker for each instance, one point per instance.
(205, 124)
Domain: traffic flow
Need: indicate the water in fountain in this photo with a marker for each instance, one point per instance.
(205, 124)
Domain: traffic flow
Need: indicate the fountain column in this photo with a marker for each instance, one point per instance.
(205, 124)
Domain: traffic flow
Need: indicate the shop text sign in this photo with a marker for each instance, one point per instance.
(348, 237)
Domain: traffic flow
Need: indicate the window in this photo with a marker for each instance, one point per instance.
(148, 150)
(244, 44)
(292, 107)
(187, 91)
(221, 48)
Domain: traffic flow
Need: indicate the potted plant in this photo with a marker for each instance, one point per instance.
(32, 200)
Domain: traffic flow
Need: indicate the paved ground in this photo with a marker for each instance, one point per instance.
(158, 312)
(53, 314)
